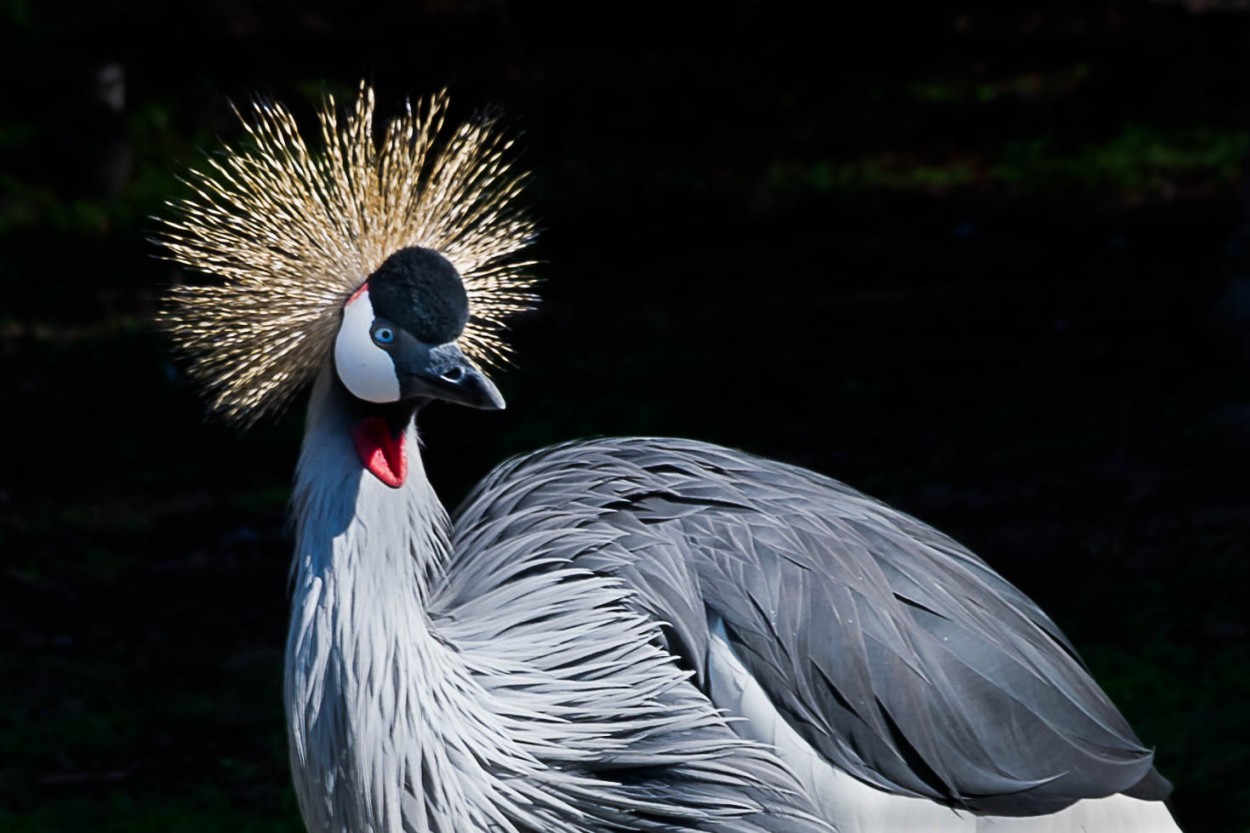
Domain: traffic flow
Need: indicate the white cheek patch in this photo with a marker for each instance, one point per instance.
(364, 367)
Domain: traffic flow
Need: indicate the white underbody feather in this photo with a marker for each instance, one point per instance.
(855, 807)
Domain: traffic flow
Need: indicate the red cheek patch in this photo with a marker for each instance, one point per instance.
(381, 450)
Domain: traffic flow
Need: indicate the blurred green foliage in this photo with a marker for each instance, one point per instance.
(1139, 162)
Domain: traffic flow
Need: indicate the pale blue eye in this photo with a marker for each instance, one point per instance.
(383, 335)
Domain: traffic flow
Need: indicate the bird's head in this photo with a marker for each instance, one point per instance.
(397, 340)
(396, 347)
(391, 262)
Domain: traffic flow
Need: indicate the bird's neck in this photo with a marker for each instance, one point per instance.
(347, 519)
(360, 631)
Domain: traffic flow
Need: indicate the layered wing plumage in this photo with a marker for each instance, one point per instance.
(892, 650)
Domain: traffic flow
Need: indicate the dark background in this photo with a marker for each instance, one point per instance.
(980, 261)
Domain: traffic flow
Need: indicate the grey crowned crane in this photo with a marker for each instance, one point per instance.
(614, 635)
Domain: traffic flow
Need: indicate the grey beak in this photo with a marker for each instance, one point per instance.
(443, 372)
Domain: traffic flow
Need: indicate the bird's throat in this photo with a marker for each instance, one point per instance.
(380, 443)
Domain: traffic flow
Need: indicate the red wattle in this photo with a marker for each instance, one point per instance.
(381, 451)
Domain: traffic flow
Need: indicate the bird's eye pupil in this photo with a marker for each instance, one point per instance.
(384, 335)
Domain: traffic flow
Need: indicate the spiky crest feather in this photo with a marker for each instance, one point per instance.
(292, 232)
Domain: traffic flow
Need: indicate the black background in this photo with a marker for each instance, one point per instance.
(981, 261)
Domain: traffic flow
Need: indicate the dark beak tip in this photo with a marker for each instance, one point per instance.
(494, 401)
(478, 391)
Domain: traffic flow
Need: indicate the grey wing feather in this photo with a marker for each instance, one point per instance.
(894, 651)
(623, 735)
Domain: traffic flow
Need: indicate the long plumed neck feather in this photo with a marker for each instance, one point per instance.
(389, 728)
(376, 703)
(363, 555)
(401, 721)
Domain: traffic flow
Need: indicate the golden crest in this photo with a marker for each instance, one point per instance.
(292, 232)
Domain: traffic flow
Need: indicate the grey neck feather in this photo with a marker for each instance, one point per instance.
(403, 721)
(404, 531)
(376, 703)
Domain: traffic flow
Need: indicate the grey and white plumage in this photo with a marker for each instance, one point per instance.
(611, 635)
(894, 653)
(518, 656)
(515, 691)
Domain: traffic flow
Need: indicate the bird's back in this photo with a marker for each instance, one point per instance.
(888, 649)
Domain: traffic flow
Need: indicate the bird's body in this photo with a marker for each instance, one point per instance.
(612, 635)
(528, 657)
